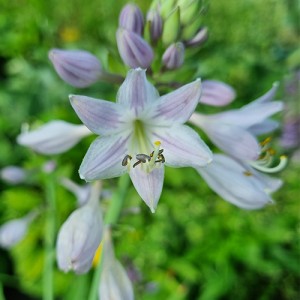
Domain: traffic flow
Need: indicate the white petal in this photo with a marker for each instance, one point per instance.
(54, 137)
(104, 158)
(148, 185)
(136, 92)
(176, 107)
(100, 116)
(183, 147)
(216, 93)
(231, 180)
(250, 115)
(234, 140)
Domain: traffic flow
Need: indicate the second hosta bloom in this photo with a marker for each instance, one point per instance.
(141, 133)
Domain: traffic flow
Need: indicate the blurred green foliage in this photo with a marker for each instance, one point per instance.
(196, 246)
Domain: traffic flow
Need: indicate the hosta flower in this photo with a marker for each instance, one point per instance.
(13, 174)
(231, 130)
(238, 183)
(141, 133)
(80, 236)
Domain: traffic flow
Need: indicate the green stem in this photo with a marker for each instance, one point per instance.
(2, 297)
(111, 218)
(49, 237)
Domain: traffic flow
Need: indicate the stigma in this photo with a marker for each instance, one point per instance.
(265, 162)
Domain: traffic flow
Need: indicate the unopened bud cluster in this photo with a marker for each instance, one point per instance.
(169, 28)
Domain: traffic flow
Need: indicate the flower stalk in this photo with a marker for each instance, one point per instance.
(49, 237)
(111, 218)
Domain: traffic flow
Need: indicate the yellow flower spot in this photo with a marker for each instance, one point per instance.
(97, 255)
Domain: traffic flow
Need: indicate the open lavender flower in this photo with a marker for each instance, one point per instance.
(231, 131)
(141, 133)
(239, 183)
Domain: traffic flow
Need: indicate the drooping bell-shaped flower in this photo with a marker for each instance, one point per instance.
(216, 93)
(12, 232)
(134, 50)
(54, 137)
(238, 183)
(131, 18)
(114, 282)
(230, 130)
(141, 133)
(76, 67)
(173, 57)
(80, 236)
(13, 174)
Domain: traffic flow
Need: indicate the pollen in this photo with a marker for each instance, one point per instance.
(266, 141)
(247, 173)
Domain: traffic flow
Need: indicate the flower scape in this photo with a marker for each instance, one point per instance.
(163, 115)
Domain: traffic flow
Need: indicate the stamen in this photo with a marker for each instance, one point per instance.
(126, 160)
(143, 157)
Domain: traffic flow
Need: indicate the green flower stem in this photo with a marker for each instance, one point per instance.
(49, 237)
(111, 218)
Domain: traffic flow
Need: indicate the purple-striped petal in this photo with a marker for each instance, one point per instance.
(176, 107)
(136, 91)
(267, 97)
(100, 116)
(148, 185)
(234, 140)
(235, 183)
(216, 93)
(104, 158)
(183, 147)
(264, 127)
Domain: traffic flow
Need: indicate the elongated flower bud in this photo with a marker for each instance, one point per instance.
(171, 27)
(131, 18)
(76, 67)
(173, 57)
(80, 236)
(12, 232)
(114, 283)
(54, 137)
(156, 25)
(13, 174)
(134, 50)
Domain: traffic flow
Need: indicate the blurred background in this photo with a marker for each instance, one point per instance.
(196, 246)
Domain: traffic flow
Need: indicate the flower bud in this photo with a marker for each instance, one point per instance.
(290, 137)
(80, 236)
(134, 50)
(76, 67)
(114, 283)
(13, 174)
(216, 93)
(131, 18)
(173, 57)
(171, 27)
(155, 25)
(199, 38)
(12, 232)
(54, 137)
(188, 12)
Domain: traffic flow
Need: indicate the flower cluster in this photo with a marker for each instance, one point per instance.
(143, 132)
